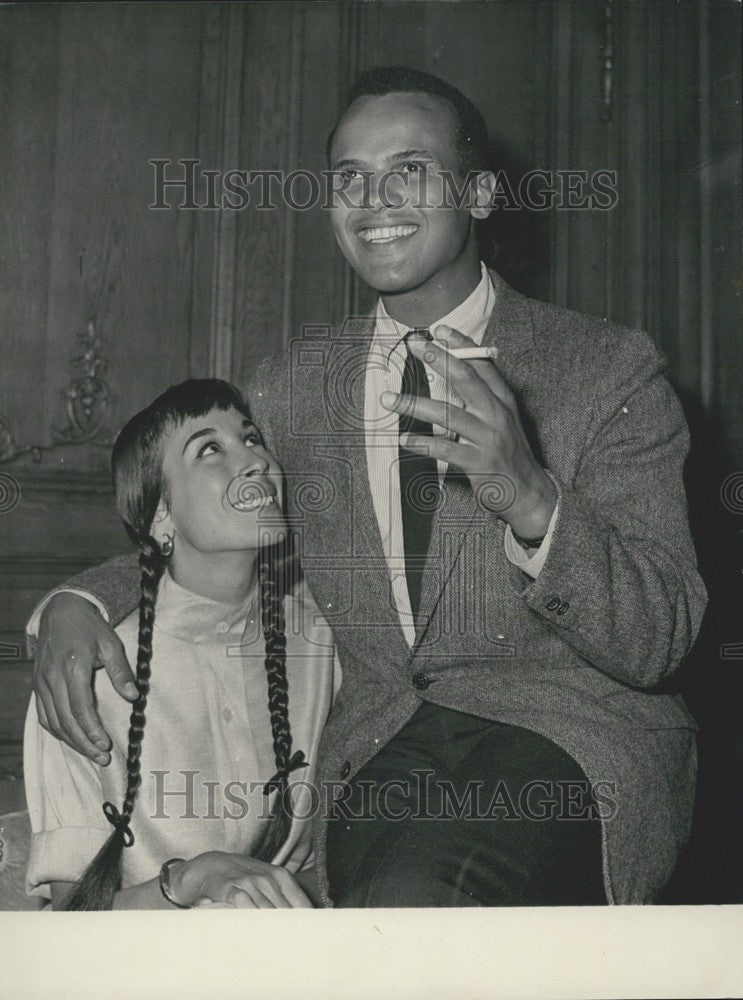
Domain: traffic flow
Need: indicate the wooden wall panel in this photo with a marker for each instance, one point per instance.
(268, 141)
(114, 260)
(323, 284)
(719, 174)
(28, 113)
(109, 96)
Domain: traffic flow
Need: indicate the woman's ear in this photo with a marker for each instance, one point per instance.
(484, 188)
(162, 524)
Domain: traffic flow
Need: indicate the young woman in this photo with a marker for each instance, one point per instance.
(213, 762)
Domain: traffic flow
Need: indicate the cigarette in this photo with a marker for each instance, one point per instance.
(472, 353)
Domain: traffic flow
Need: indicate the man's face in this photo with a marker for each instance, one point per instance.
(400, 235)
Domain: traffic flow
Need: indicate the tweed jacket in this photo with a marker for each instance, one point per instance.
(580, 655)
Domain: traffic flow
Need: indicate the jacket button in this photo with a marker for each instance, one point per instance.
(563, 608)
(345, 769)
(552, 604)
(421, 681)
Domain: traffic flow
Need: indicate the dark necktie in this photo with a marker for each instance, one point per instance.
(419, 483)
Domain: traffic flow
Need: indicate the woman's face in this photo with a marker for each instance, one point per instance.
(222, 487)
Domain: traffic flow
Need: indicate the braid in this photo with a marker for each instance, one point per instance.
(102, 878)
(274, 632)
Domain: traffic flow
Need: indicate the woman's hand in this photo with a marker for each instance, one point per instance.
(73, 640)
(235, 880)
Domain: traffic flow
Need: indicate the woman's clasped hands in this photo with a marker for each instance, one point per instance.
(219, 879)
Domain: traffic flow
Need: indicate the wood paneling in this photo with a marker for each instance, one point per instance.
(93, 93)
(28, 113)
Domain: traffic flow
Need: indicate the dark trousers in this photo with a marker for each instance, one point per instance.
(460, 811)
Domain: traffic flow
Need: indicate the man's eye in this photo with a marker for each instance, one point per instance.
(210, 448)
(349, 174)
(413, 167)
(252, 439)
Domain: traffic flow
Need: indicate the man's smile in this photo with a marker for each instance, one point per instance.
(386, 234)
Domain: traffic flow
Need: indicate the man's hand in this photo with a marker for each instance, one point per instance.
(237, 881)
(73, 641)
(492, 449)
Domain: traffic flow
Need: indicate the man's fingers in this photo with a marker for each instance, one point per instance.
(462, 375)
(113, 658)
(463, 456)
(486, 368)
(69, 730)
(46, 711)
(80, 694)
(452, 418)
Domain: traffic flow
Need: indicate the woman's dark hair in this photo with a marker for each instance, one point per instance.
(136, 465)
(470, 133)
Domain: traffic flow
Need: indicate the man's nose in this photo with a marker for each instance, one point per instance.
(384, 190)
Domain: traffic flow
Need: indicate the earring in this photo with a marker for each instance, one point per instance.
(166, 546)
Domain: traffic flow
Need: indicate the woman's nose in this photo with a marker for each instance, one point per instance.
(257, 464)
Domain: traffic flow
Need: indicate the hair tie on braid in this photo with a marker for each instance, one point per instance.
(102, 878)
(271, 580)
(275, 783)
(119, 822)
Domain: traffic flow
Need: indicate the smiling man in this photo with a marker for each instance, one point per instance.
(504, 557)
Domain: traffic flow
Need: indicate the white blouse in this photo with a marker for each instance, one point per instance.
(207, 743)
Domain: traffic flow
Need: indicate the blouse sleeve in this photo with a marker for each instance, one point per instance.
(65, 798)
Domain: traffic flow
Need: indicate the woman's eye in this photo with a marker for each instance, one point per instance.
(210, 448)
(252, 439)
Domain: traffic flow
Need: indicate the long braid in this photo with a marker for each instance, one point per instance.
(102, 879)
(274, 632)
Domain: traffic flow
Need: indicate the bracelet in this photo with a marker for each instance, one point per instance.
(165, 888)
(528, 543)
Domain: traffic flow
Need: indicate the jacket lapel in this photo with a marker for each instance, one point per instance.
(348, 531)
(511, 330)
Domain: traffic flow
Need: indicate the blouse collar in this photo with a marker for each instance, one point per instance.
(184, 615)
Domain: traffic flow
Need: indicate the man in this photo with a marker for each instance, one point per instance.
(502, 551)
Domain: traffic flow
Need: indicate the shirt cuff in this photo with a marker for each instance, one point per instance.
(530, 564)
(32, 626)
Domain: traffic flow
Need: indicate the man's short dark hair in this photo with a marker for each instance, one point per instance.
(470, 133)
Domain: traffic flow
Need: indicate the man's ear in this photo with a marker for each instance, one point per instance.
(162, 523)
(484, 188)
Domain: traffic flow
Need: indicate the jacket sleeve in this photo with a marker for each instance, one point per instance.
(620, 583)
(114, 587)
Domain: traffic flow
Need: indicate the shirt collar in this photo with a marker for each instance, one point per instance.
(182, 614)
(469, 317)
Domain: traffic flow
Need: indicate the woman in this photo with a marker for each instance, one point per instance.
(200, 770)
